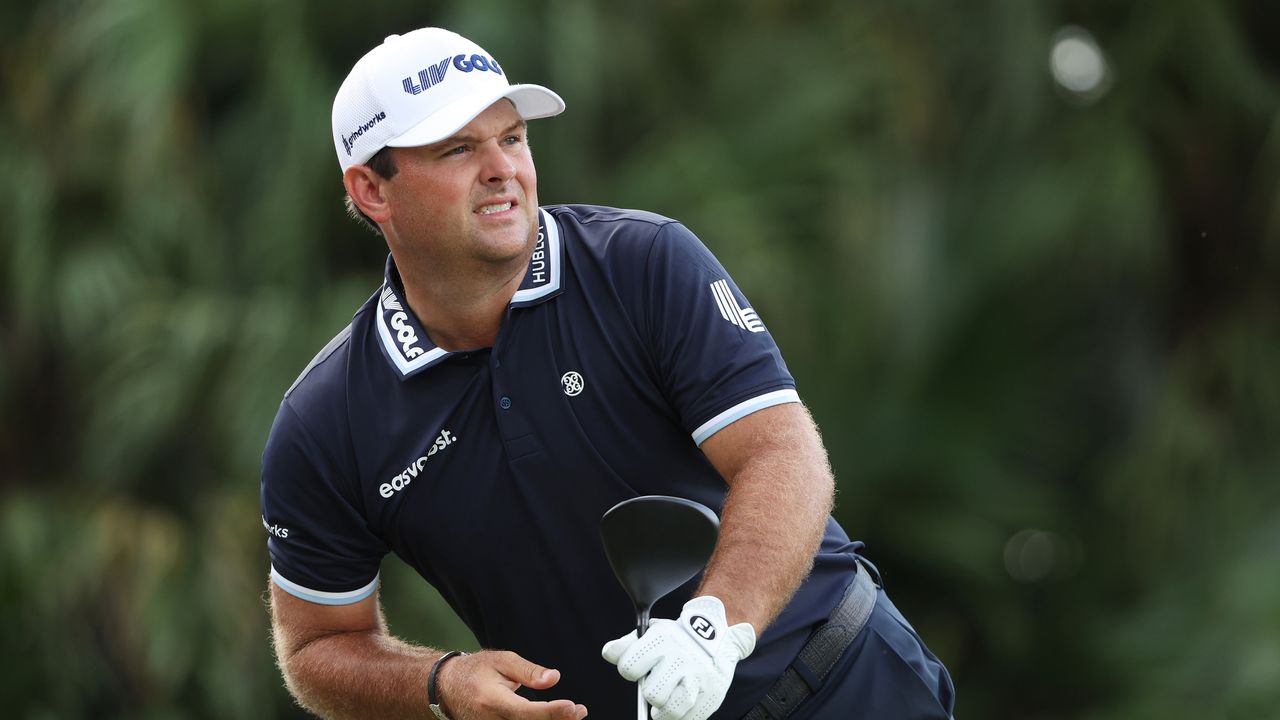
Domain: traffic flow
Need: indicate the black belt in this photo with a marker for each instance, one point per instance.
(820, 652)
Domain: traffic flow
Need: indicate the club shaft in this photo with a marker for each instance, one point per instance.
(642, 624)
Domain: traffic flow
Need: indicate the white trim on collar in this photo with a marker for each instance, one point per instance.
(406, 366)
(404, 341)
(544, 267)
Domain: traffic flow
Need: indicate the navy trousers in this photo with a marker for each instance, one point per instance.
(886, 673)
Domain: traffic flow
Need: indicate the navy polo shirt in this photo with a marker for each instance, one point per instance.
(487, 470)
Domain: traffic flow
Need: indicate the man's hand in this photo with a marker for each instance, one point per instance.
(482, 686)
(686, 664)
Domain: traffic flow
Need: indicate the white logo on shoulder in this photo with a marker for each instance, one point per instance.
(276, 530)
(572, 383)
(745, 318)
(399, 322)
(401, 481)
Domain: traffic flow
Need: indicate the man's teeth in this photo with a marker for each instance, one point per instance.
(491, 209)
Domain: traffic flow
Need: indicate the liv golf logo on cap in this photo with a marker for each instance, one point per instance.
(433, 75)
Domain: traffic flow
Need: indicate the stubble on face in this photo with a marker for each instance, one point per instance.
(467, 205)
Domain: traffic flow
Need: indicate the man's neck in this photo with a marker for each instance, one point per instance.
(462, 313)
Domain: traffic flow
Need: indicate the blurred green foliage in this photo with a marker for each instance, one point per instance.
(1041, 332)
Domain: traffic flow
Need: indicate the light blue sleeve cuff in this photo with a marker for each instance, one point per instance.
(743, 409)
(321, 597)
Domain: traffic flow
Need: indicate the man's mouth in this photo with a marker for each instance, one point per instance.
(491, 209)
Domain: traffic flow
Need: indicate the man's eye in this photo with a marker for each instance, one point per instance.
(456, 151)
(512, 139)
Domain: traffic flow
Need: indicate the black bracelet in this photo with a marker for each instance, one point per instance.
(432, 698)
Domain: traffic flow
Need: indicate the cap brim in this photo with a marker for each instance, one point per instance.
(531, 102)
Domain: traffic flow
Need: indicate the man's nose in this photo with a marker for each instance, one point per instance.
(498, 168)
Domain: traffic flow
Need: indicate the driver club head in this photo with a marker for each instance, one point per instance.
(655, 544)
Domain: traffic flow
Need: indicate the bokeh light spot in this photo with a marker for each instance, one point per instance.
(1078, 64)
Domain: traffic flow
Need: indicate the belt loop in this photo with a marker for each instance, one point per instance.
(806, 674)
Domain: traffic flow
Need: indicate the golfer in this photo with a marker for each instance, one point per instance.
(522, 369)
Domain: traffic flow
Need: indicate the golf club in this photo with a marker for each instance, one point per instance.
(655, 543)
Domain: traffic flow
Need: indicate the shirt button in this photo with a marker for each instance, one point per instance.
(504, 402)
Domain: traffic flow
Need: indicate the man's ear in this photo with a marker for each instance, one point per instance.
(365, 188)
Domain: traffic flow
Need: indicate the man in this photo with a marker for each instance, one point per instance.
(520, 371)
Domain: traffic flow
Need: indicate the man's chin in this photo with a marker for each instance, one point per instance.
(507, 248)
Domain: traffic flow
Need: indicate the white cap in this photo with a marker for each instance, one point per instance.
(419, 88)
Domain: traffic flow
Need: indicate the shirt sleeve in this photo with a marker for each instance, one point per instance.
(321, 547)
(714, 353)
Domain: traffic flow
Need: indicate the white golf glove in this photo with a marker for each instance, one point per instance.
(686, 664)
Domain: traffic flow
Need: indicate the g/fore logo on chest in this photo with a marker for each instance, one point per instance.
(401, 481)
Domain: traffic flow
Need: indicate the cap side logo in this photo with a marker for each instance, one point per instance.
(349, 141)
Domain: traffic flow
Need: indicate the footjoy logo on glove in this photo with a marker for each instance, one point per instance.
(703, 627)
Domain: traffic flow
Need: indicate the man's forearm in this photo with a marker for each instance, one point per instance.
(340, 662)
(779, 499)
(359, 675)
